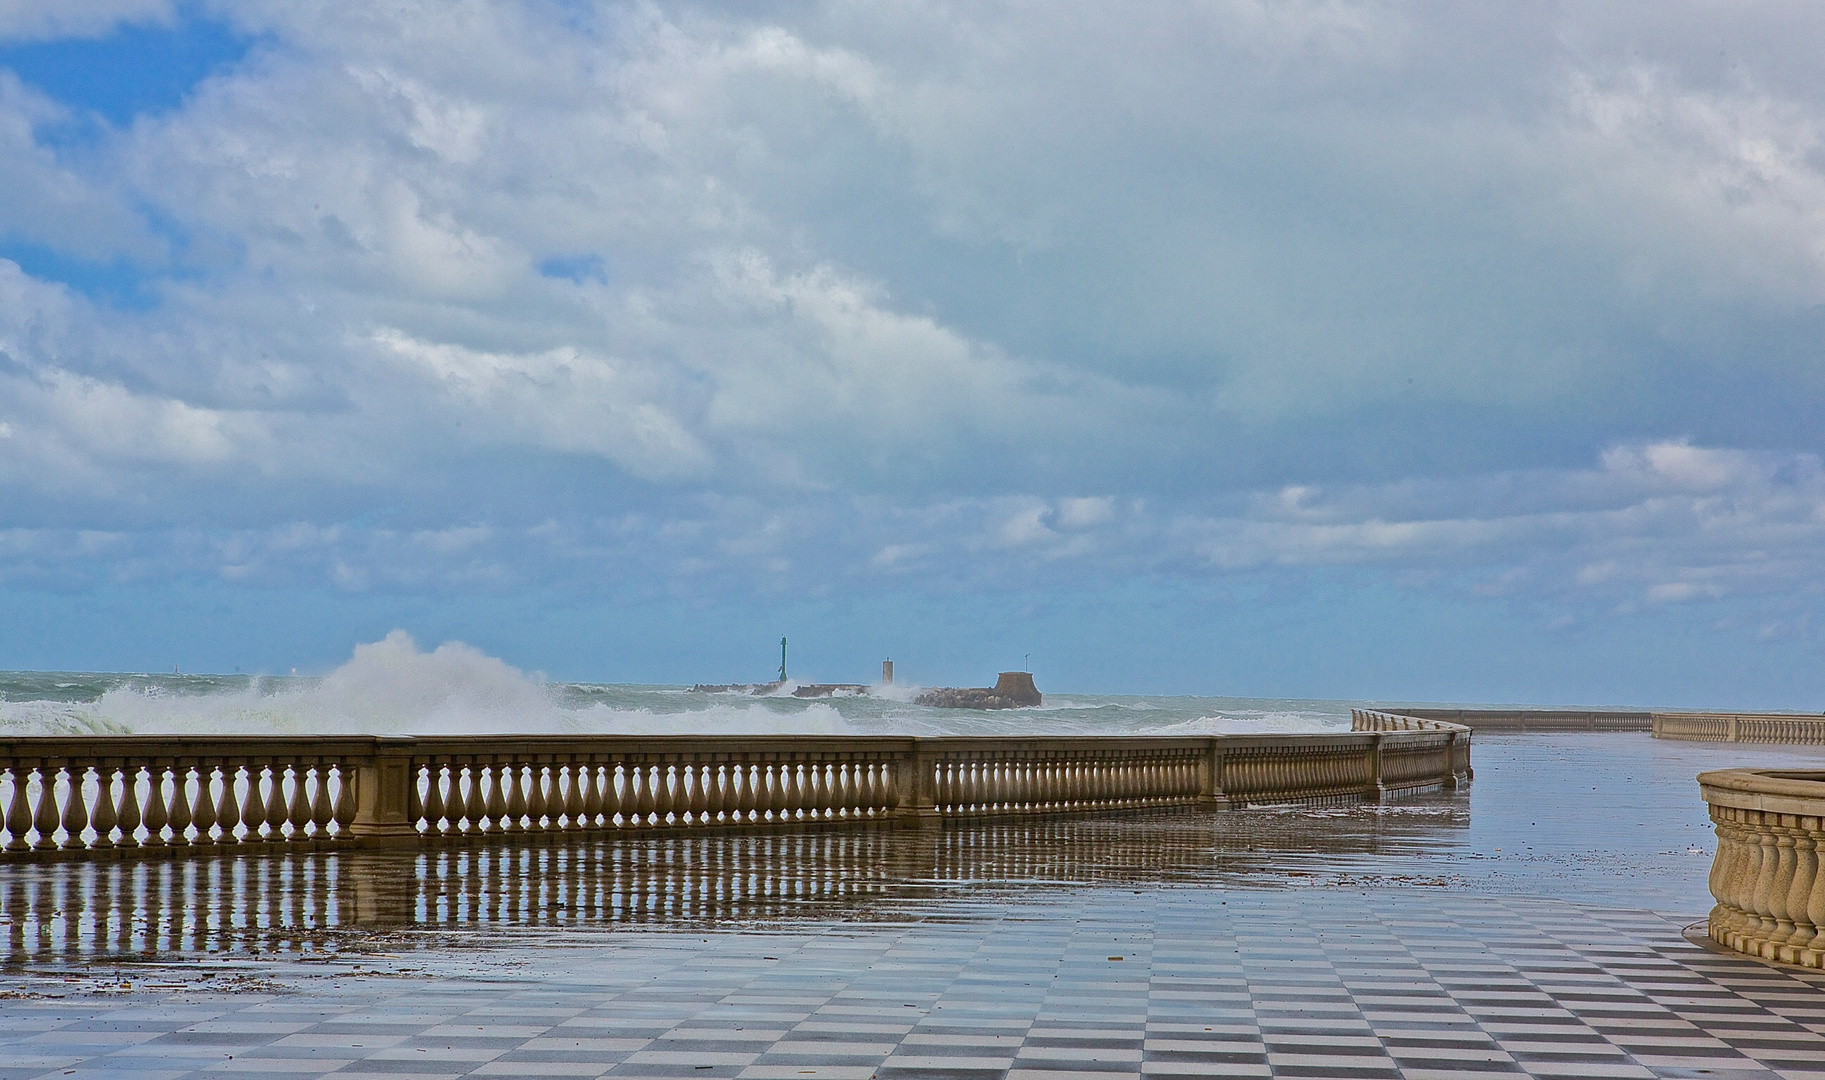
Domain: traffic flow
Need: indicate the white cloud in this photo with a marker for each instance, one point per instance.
(43, 19)
(905, 289)
(558, 399)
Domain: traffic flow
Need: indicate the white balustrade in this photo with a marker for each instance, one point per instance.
(96, 796)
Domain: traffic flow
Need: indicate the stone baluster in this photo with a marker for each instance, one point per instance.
(228, 807)
(692, 799)
(770, 791)
(515, 797)
(1802, 876)
(202, 806)
(540, 800)
(673, 779)
(825, 790)
(107, 814)
(178, 810)
(494, 798)
(430, 808)
(74, 814)
(475, 803)
(45, 817)
(567, 810)
(342, 812)
(614, 793)
(652, 779)
(793, 790)
(636, 779)
(158, 805)
(276, 811)
(294, 799)
(1813, 886)
(735, 790)
(128, 818)
(597, 811)
(1767, 866)
(716, 777)
(310, 805)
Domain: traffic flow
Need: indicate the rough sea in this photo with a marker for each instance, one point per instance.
(392, 687)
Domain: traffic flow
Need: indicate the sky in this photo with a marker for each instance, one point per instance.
(1393, 350)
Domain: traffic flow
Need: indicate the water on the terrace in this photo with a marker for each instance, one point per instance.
(1607, 819)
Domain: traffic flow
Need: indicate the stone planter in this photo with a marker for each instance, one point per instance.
(1767, 877)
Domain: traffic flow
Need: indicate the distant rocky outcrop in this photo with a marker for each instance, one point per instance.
(1012, 690)
(830, 690)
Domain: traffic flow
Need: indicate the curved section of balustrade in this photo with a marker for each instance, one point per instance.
(111, 796)
(1767, 875)
(1776, 728)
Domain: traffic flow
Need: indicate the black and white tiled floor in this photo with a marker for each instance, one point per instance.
(1183, 981)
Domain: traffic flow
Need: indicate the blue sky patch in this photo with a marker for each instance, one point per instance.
(132, 71)
(577, 268)
(118, 284)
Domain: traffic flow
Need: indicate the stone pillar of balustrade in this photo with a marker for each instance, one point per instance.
(383, 786)
(1768, 875)
(917, 786)
(1210, 780)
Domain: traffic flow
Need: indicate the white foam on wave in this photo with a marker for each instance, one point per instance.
(391, 687)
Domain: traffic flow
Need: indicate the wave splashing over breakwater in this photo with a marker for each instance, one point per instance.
(392, 687)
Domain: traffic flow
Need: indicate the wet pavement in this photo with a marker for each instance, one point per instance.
(1529, 926)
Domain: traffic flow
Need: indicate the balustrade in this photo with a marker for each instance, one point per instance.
(1769, 872)
(111, 796)
(1780, 728)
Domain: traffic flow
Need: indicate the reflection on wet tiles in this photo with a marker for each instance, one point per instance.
(316, 902)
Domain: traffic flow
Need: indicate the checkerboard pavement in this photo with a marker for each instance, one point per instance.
(1087, 982)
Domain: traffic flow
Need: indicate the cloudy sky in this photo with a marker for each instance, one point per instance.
(1398, 350)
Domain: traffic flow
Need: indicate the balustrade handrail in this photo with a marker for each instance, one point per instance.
(87, 796)
(1768, 875)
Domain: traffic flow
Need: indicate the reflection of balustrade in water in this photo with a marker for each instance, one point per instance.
(113, 795)
(392, 900)
(1768, 876)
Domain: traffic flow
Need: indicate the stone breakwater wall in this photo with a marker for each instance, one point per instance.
(136, 796)
(1012, 690)
(1769, 873)
(1790, 729)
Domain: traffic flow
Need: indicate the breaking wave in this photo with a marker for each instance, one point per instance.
(392, 687)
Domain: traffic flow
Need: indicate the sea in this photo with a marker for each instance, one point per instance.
(392, 687)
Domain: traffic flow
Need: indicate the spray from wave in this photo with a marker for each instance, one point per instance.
(392, 687)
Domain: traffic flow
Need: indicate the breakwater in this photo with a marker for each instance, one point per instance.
(120, 796)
